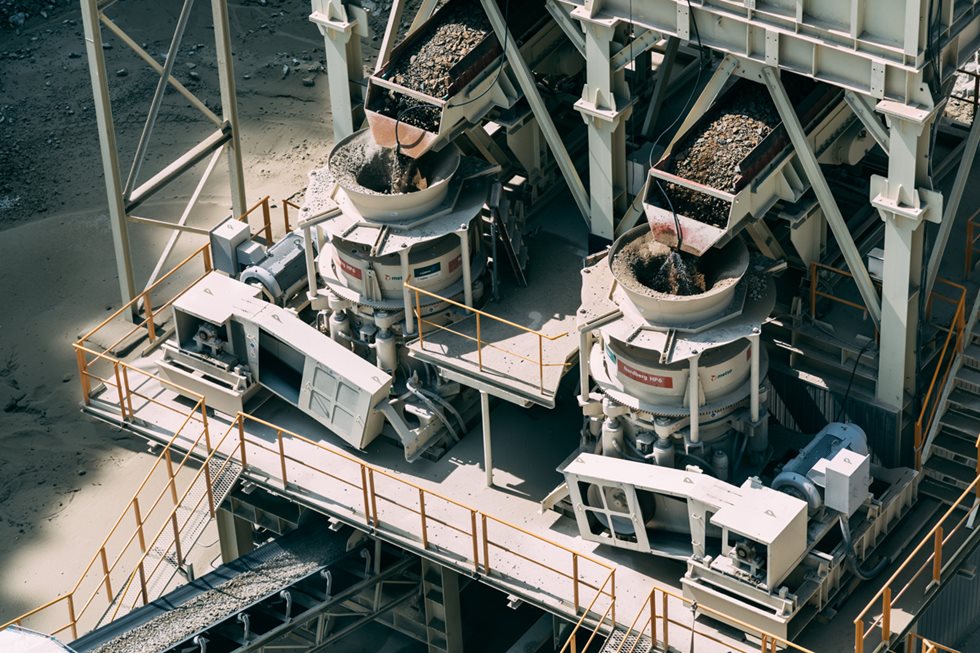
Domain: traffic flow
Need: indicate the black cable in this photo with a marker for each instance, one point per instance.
(857, 361)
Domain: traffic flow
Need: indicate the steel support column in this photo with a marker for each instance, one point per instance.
(229, 103)
(903, 205)
(107, 145)
(234, 535)
(331, 17)
(604, 106)
(487, 447)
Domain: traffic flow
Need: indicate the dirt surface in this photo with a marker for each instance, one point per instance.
(711, 155)
(427, 64)
(649, 267)
(65, 477)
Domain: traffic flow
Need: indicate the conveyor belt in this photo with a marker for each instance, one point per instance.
(221, 595)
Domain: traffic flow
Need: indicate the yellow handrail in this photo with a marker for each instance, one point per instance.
(478, 339)
(937, 536)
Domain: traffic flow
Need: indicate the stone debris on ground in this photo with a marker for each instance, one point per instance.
(711, 155)
(961, 108)
(427, 65)
(296, 559)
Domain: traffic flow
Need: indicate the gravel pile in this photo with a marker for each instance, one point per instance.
(426, 65)
(294, 560)
(711, 156)
(651, 268)
(375, 170)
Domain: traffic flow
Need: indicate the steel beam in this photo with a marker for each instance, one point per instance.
(158, 93)
(181, 165)
(423, 14)
(952, 206)
(109, 150)
(229, 103)
(152, 63)
(866, 114)
(646, 40)
(567, 25)
(337, 29)
(391, 33)
(526, 80)
(660, 89)
(822, 190)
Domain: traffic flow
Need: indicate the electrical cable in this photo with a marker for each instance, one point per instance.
(852, 561)
(847, 393)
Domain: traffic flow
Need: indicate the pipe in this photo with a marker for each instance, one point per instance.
(852, 561)
(464, 240)
(694, 397)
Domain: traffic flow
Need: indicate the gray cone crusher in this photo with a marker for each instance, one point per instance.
(679, 457)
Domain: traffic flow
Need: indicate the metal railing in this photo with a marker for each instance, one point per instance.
(966, 99)
(930, 554)
(952, 346)
(816, 292)
(92, 597)
(478, 338)
(654, 625)
(915, 643)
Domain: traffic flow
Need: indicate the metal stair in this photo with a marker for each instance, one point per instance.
(438, 583)
(950, 454)
(623, 641)
(193, 515)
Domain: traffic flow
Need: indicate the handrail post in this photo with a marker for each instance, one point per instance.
(886, 615)
(653, 616)
(72, 617)
(425, 535)
(575, 580)
(859, 636)
(129, 393)
(83, 374)
(285, 215)
(486, 544)
(204, 422)
(119, 390)
(612, 594)
(148, 307)
(374, 496)
(207, 483)
(666, 621)
(266, 221)
(142, 542)
(479, 343)
(206, 250)
(476, 556)
(937, 556)
(282, 459)
(241, 440)
(364, 491)
(541, 363)
(176, 501)
(105, 573)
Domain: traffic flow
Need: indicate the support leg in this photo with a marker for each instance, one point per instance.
(229, 104)
(487, 450)
(234, 535)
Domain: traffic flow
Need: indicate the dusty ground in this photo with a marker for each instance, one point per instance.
(64, 477)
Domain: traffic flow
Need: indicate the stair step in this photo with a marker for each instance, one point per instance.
(969, 379)
(964, 424)
(967, 402)
(435, 595)
(971, 356)
(939, 490)
(950, 472)
(957, 448)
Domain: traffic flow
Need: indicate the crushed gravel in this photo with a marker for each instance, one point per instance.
(651, 268)
(427, 65)
(294, 560)
(711, 155)
(369, 168)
